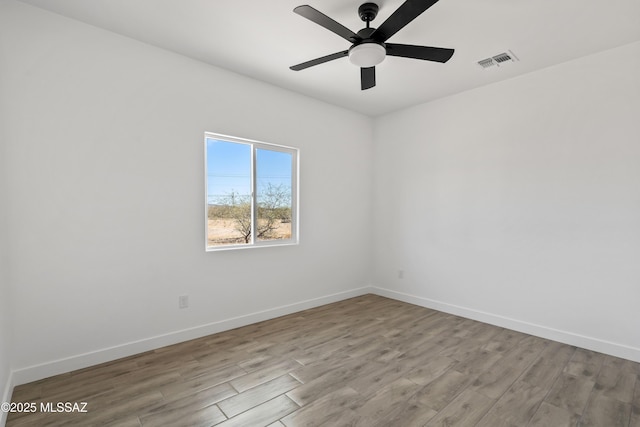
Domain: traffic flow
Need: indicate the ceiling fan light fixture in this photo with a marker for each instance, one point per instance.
(366, 55)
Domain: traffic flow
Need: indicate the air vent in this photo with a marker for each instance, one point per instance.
(486, 63)
(502, 58)
(497, 60)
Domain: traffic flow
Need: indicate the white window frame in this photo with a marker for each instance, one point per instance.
(295, 178)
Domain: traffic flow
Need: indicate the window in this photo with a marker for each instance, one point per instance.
(251, 193)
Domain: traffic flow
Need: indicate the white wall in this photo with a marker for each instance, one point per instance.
(5, 307)
(5, 290)
(105, 159)
(518, 203)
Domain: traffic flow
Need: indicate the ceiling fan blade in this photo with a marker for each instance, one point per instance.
(319, 61)
(406, 13)
(367, 78)
(326, 22)
(428, 53)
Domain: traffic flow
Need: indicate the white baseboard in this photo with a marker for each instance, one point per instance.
(38, 372)
(6, 397)
(590, 343)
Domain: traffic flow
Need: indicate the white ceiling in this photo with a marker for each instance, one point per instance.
(261, 39)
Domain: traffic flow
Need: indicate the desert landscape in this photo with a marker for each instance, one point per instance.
(223, 232)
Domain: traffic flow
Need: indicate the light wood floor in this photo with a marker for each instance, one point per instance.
(367, 361)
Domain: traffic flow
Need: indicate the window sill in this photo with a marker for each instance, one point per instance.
(254, 246)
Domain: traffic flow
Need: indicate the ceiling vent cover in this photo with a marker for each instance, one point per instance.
(486, 63)
(497, 60)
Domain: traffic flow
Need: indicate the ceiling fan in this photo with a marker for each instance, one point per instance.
(369, 47)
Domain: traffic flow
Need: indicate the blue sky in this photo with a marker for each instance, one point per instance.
(229, 168)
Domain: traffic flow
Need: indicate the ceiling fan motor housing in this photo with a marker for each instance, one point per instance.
(368, 11)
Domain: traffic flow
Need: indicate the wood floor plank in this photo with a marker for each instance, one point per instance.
(118, 409)
(386, 402)
(466, 410)
(196, 401)
(606, 411)
(317, 367)
(257, 395)
(612, 381)
(189, 386)
(373, 377)
(27, 392)
(497, 378)
(461, 349)
(367, 361)
(432, 369)
(39, 419)
(263, 414)
(255, 378)
(478, 362)
(132, 421)
(504, 340)
(585, 363)
(441, 391)
(322, 409)
(144, 382)
(549, 415)
(332, 380)
(407, 415)
(571, 393)
(516, 407)
(319, 355)
(346, 417)
(203, 417)
(551, 361)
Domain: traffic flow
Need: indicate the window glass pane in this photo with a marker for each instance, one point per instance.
(273, 194)
(228, 193)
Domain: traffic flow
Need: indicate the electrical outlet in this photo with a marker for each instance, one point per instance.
(183, 301)
(400, 274)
